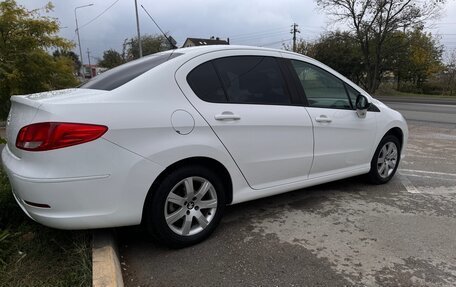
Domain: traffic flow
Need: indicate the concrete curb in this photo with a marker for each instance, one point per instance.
(105, 260)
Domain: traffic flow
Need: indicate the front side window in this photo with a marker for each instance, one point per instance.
(353, 94)
(322, 89)
(252, 80)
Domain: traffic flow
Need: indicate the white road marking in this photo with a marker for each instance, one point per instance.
(427, 176)
(428, 172)
(425, 156)
(408, 184)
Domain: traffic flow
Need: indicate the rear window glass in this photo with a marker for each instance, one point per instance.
(205, 83)
(121, 75)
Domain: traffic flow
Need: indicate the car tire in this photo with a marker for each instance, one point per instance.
(178, 214)
(385, 160)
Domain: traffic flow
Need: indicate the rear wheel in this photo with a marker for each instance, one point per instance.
(186, 207)
(386, 160)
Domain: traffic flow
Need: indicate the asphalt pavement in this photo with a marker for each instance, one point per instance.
(437, 113)
(345, 233)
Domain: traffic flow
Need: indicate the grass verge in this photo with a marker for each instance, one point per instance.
(34, 255)
(390, 92)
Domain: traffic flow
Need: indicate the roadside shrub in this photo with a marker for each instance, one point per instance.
(428, 88)
(10, 212)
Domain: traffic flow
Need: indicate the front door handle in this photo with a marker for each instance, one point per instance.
(227, 116)
(323, 119)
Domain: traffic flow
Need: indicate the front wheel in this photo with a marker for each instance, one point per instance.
(186, 207)
(385, 160)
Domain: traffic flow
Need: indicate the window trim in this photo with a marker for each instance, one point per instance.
(289, 76)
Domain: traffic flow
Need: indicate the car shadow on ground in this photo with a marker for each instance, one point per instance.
(307, 198)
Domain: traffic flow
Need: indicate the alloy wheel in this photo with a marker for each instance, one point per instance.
(387, 159)
(190, 206)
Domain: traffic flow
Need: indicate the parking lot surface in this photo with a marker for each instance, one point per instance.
(343, 233)
(346, 233)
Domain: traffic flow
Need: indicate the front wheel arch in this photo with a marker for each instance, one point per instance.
(398, 133)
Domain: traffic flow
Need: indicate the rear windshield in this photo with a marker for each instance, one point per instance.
(120, 75)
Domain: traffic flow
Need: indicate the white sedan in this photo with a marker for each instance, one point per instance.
(170, 139)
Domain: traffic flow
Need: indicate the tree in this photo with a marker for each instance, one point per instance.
(25, 65)
(340, 51)
(111, 59)
(450, 74)
(413, 56)
(302, 47)
(425, 57)
(150, 44)
(70, 55)
(374, 21)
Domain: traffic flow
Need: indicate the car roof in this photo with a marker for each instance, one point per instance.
(210, 48)
(197, 50)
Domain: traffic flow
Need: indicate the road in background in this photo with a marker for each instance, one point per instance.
(427, 112)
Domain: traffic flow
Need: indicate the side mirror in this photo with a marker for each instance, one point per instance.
(362, 104)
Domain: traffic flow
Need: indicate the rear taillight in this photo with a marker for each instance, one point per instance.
(54, 135)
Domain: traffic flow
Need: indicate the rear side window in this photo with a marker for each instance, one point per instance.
(121, 75)
(205, 83)
(322, 89)
(253, 80)
(240, 79)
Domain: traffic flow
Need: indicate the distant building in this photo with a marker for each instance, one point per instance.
(91, 71)
(190, 42)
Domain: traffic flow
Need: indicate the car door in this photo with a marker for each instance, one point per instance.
(245, 99)
(343, 141)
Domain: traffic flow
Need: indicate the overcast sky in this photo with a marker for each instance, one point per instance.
(249, 22)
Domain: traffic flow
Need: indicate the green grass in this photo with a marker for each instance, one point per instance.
(390, 92)
(34, 255)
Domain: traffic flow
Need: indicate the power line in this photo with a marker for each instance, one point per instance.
(275, 35)
(99, 15)
(444, 23)
(258, 32)
(259, 35)
(277, 42)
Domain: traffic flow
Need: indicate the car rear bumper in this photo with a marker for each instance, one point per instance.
(113, 197)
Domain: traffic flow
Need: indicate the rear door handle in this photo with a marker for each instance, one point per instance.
(323, 119)
(227, 116)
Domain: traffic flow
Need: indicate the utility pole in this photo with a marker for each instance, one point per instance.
(137, 28)
(79, 39)
(90, 67)
(294, 30)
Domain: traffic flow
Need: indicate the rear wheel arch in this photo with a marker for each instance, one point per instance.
(207, 162)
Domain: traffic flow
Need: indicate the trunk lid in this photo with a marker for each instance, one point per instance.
(24, 109)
